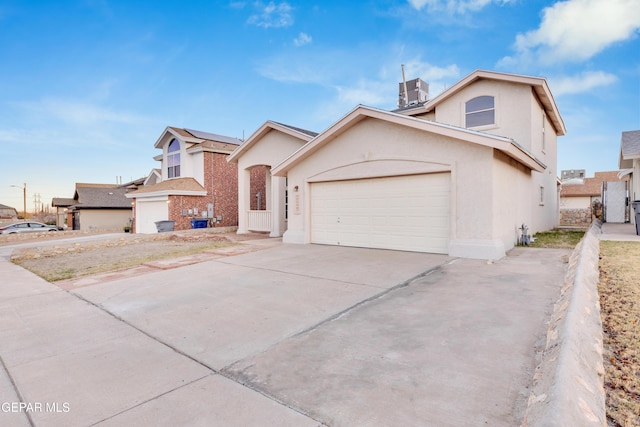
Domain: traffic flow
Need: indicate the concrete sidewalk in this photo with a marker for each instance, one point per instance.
(619, 232)
(289, 335)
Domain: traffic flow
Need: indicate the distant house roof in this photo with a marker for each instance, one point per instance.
(8, 212)
(154, 176)
(207, 136)
(629, 148)
(176, 186)
(135, 183)
(197, 137)
(588, 186)
(100, 196)
(62, 202)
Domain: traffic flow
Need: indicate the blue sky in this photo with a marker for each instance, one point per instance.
(87, 86)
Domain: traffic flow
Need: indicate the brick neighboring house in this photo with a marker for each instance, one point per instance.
(194, 181)
(581, 198)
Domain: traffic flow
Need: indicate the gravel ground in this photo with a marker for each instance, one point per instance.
(61, 261)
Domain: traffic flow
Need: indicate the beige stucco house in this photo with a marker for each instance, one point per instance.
(97, 207)
(265, 148)
(458, 174)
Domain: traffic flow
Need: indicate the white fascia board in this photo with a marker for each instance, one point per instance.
(507, 145)
(162, 193)
(168, 130)
(260, 133)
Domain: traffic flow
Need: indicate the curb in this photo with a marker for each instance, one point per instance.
(568, 384)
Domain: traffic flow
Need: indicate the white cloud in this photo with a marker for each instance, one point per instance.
(272, 15)
(302, 39)
(454, 6)
(78, 112)
(576, 30)
(437, 77)
(72, 123)
(366, 92)
(583, 82)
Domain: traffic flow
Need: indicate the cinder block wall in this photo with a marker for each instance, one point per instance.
(578, 217)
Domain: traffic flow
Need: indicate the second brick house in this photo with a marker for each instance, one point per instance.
(196, 181)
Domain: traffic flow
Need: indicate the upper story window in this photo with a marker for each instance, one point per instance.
(480, 111)
(173, 159)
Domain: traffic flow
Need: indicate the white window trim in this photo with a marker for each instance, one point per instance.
(496, 114)
(167, 155)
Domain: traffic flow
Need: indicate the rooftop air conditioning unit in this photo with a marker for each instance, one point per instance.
(417, 92)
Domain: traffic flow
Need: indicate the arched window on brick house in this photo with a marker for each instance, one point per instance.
(173, 159)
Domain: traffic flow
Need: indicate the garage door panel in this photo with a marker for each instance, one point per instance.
(404, 213)
(147, 213)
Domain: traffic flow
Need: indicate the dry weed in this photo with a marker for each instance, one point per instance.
(619, 291)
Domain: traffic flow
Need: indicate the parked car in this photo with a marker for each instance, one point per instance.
(27, 227)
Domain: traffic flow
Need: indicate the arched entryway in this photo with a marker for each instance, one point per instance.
(262, 203)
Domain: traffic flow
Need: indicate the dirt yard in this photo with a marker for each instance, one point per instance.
(619, 291)
(70, 260)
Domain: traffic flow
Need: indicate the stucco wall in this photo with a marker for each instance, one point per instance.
(512, 202)
(194, 167)
(519, 116)
(512, 106)
(104, 219)
(377, 146)
(253, 165)
(578, 202)
(272, 149)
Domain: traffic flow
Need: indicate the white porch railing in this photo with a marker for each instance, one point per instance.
(259, 220)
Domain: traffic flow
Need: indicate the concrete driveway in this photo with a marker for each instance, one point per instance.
(289, 335)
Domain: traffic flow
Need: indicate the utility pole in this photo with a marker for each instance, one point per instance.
(24, 199)
(36, 202)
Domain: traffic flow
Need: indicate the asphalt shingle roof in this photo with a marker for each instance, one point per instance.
(101, 196)
(177, 184)
(591, 186)
(297, 129)
(62, 202)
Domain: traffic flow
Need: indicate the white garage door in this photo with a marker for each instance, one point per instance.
(148, 212)
(404, 213)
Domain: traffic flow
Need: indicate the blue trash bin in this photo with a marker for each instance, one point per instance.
(199, 222)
